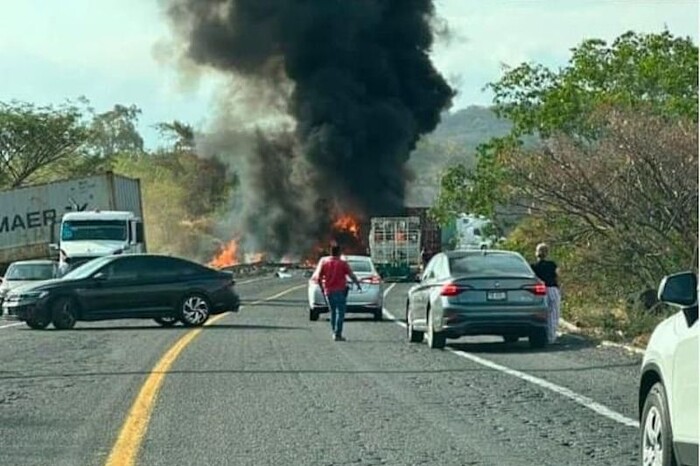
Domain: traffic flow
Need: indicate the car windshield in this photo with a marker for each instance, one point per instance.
(360, 266)
(30, 272)
(77, 230)
(489, 265)
(88, 268)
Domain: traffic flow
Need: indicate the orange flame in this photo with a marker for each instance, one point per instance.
(227, 256)
(347, 223)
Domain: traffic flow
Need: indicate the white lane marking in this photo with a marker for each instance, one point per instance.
(580, 399)
(15, 324)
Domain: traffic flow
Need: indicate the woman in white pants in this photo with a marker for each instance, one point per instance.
(546, 270)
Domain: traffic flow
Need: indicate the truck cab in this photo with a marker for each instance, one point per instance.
(87, 235)
(474, 232)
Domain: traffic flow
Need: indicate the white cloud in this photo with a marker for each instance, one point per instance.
(51, 50)
(512, 32)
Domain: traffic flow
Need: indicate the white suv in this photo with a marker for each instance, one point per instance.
(668, 390)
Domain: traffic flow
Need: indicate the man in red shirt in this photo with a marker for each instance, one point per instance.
(332, 277)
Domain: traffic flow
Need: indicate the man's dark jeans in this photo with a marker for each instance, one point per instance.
(337, 300)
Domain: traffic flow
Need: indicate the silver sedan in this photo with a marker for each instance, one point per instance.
(370, 299)
(477, 293)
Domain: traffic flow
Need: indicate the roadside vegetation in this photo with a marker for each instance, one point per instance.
(602, 163)
(183, 193)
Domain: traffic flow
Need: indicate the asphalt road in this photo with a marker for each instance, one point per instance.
(267, 386)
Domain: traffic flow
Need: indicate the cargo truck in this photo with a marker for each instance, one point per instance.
(395, 246)
(36, 221)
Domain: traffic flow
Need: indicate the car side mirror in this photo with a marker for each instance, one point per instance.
(680, 289)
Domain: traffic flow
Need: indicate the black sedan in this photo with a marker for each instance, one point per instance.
(143, 286)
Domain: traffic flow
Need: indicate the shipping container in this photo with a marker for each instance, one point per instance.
(27, 214)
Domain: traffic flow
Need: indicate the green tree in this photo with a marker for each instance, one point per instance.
(179, 135)
(115, 132)
(479, 188)
(657, 72)
(33, 138)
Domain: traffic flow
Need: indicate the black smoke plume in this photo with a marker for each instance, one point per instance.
(357, 80)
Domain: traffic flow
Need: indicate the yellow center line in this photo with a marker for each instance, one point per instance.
(133, 430)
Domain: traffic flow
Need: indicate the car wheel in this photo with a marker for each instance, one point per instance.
(313, 314)
(510, 338)
(64, 314)
(378, 315)
(166, 321)
(657, 438)
(435, 340)
(194, 310)
(538, 338)
(37, 324)
(414, 336)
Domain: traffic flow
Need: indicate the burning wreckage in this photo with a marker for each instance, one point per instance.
(355, 80)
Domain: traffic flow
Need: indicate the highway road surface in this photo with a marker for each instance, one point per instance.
(269, 387)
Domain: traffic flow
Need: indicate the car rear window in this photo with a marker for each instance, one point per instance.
(489, 265)
(360, 266)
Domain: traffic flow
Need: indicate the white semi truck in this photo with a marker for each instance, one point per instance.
(87, 235)
(474, 232)
(85, 217)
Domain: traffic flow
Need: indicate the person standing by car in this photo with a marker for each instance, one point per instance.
(332, 277)
(546, 270)
(63, 266)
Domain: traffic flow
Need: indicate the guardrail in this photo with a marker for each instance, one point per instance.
(261, 268)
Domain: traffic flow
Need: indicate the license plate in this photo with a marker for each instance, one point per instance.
(496, 295)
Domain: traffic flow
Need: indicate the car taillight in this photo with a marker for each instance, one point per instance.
(374, 280)
(538, 289)
(451, 289)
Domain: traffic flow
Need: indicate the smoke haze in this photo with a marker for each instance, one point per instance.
(356, 79)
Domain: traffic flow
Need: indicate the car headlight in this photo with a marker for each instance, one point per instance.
(33, 295)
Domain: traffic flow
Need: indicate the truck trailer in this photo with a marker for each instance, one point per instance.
(30, 216)
(395, 246)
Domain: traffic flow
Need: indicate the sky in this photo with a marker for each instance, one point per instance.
(106, 50)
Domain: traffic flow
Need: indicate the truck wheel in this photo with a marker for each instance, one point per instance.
(64, 314)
